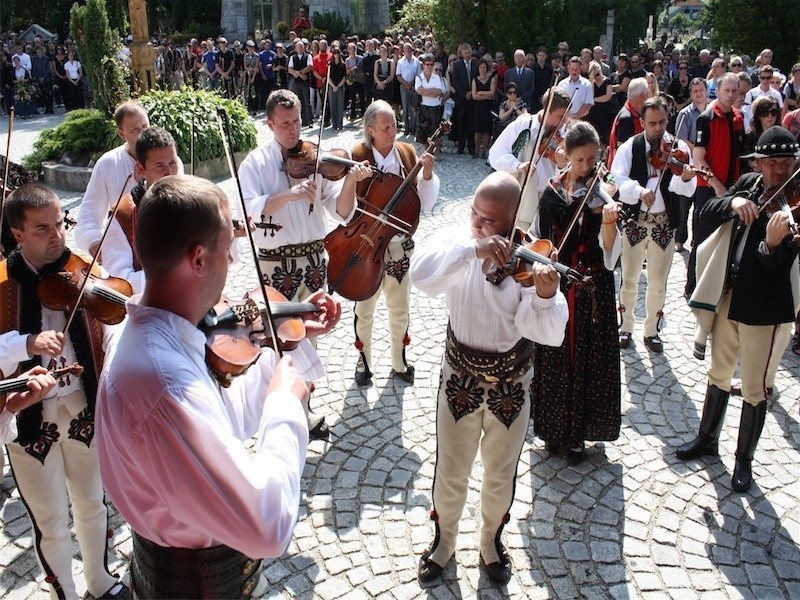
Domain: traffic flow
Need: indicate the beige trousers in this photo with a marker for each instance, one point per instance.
(659, 261)
(69, 473)
(396, 294)
(757, 345)
(457, 442)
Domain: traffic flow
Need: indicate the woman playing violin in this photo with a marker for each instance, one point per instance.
(576, 387)
(379, 148)
(291, 248)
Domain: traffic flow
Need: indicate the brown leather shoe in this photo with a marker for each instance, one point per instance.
(429, 573)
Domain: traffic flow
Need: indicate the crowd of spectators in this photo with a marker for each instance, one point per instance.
(472, 86)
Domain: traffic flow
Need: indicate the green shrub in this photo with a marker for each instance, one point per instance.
(175, 111)
(97, 46)
(82, 132)
(282, 27)
(332, 23)
(88, 132)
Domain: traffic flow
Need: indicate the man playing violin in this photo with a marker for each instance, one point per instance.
(513, 150)
(380, 149)
(653, 213)
(751, 294)
(51, 444)
(109, 176)
(202, 507)
(292, 249)
(487, 406)
(157, 158)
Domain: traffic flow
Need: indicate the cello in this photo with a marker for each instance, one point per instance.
(357, 250)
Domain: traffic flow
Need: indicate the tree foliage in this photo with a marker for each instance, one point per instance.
(503, 25)
(97, 47)
(749, 26)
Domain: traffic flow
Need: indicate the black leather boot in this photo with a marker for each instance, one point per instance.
(706, 442)
(750, 427)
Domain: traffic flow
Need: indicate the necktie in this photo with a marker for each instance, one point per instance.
(519, 71)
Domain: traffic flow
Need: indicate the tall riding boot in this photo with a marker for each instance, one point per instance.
(707, 440)
(750, 427)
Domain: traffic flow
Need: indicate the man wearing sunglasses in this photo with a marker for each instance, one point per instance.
(765, 74)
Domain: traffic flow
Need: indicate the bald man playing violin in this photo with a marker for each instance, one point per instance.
(484, 394)
(291, 248)
(754, 305)
(51, 444)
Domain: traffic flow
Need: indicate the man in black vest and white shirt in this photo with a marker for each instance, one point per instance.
(652, 218)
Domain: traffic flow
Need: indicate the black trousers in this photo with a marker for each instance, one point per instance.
(465, 126)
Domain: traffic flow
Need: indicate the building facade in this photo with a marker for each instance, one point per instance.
(258, 16)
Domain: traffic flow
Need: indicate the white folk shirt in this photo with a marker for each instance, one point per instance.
(171, 446)
(629, 188)
(262, 175)
(501, 154)
(581, 91)
(484, 316)
(104, 190)
(427, 190)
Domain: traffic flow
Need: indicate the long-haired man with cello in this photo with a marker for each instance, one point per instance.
(202, 507)
(51, 444)
(380, 149)
(484, 391)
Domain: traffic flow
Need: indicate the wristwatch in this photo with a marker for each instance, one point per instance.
(763, 248)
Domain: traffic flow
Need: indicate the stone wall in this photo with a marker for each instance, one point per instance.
(237, 20)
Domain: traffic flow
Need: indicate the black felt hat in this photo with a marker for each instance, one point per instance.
(775, 142)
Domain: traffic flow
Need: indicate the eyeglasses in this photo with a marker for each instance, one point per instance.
(683, 68)
(773, 112)
(510, 92)
(762, 77)
(733, 65)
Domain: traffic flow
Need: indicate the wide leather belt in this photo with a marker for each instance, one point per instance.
(217, 572)
(489, 367)
(292, 250)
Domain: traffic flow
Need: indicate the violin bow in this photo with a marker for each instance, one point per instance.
(225, 133)
(5, 174)
(191, 147)
(73, 311)
(534, 158)
(581, 205)
(672, 147)
(321, 127)
(560, 124)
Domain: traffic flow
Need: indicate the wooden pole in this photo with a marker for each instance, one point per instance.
(142, 58)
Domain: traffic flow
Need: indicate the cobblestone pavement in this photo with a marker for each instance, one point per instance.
(629, 522)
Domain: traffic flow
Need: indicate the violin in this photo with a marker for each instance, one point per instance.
(305, 160)
(524, 254)
(601, 193)
(104, 297)
(235, 331)
(675, 160)
(784, 199)
(550, 145)
(20, 384)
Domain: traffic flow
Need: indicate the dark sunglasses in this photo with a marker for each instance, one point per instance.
(765, 76)
(683, 68)
(773, 112)
(736, 64)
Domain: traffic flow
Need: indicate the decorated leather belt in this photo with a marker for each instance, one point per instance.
(489, 367)
(658, 218)
(216, 572)
(292, 250)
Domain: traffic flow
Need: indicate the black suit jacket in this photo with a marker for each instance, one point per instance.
(461, 80)
(542, 77)
(526, 83)
(762, 293)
